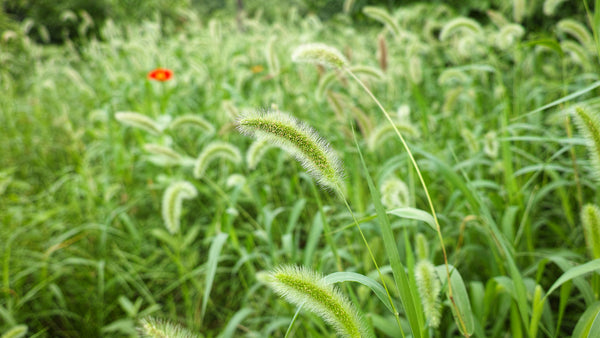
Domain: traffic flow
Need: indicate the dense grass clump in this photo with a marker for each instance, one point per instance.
(132, 205)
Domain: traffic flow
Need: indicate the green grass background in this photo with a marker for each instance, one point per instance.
(83, 248)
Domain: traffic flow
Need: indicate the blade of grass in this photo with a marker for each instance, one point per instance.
(408, 297)
(574, 273)
(214, 254)
(346, 276)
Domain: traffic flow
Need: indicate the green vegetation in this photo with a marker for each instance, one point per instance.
(446, 182)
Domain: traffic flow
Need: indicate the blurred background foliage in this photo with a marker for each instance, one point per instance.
(76, 21)
(57, 21)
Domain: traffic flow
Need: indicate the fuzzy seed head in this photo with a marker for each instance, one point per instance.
(212, 151)
(158, 328)
(16, 332)
(462, 24)
(589, 126)
(301, 286)
(319, 53)
(193, 121)
(421, 247)
(429, 289)
(298, 139)
(550, 6)
(140, 121)
(590, 219)
(394, 193)
(163, 151)
(256, 151)
(171, 203)
(491, 144)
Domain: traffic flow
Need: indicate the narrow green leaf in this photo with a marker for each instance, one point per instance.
(372, 284)
(313, 240)
(461, 297)
(575, 272)
(234, 322)
(409, 297)
(414, 213)
(588, 319)
(211, 266)
(562, 100)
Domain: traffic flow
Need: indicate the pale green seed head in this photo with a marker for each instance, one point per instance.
(429, 289)
(589, 125)
(212, 151)
(319, 53)
(302, 286)
(590, 219)
(171, 203)
(298, 139)
(158, 328)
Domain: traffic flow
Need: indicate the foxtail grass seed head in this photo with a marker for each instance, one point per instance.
(518, 10)
(140, 121)
(421, 247)
(163, 151)
(576, 52)
(158, 328)
(590, 219)
(462, 24)
(403, 113)
(384, 131)
(415, 70)
(429, 289)
(212, 151)
(272, 60)
(171, 203)
(236, 180)
(256, 151)
(319, 53)
(394, 193)
(491, 144)
(384, 17)
(550, 6)
(509, 35)
(576, 30)
(192, 121)
(589, 125)
(298, 139)
(18, 331)
(301, 286)
(470, 140)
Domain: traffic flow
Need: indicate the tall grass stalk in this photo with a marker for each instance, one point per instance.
(425, 190)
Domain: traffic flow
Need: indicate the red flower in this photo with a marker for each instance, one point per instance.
(161, 74)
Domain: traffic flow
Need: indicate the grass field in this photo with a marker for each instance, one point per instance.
(257, 194)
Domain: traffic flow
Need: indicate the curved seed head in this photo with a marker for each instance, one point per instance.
(298, 139)
(302, 286)
(212, 151)
(319, 53)
(171, 203)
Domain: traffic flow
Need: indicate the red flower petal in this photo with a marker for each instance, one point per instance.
(160, 74)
